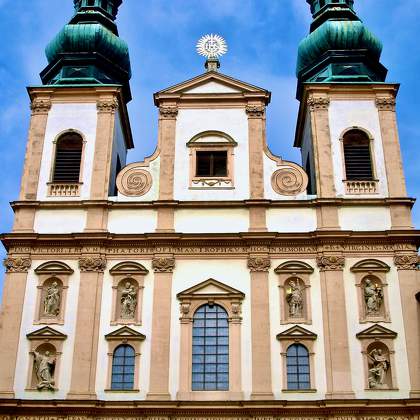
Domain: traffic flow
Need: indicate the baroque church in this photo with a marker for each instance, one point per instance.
(213, 280)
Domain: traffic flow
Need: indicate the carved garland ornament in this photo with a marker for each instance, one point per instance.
(255, 111)
(289, 180)
(318, 103)
(17, 264)
(40, 106)
(97, 264)
(385, 104)
(107, 105)
(134, 181)
(163, 264)
(406, 262)
(259, 264)
(332, 262)
(168, 112)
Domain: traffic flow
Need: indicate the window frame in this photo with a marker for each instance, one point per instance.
(296, 347)
(125, 346)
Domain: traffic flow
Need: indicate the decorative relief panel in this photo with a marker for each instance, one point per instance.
(385, 104)
(107, 105)
(133, 180)
(17, 264)
(318, 103)
(330, 262)
(255, 111)
(163, 264)
(406, 262)
(290, 179)
(259, 263)
(92, 263)
(168, 112)
(40, 106)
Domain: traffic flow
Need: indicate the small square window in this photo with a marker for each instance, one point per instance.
(209, 163)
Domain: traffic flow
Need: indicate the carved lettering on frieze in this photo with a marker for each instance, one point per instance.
(259, 263)
(92, 263)
(330, 262)
(255, 111)
(406, 262)
(163, 264)
(17, 264)
(318, 103)
(40, 106)
(168, 112)
(107, 105)
(385, 104)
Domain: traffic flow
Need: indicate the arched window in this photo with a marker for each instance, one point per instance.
(123, 362)
(68, 157)
(210, 350)
(297, 362)
(357, 155)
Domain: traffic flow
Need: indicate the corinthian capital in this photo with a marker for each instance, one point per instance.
(168, 112)
(259, 264)
(407, 262)
(255, 111)
(385, 104)
(107, 105)
(97, 264)
(163, 264)
(330, 262)
(318, 103)
(17, 264)
(40, 106)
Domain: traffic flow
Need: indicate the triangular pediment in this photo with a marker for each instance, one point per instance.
(125, 333)
(296, 332)
(213, 82)
(376, 331)
(210, 287)
(370, 265)
(46, 332)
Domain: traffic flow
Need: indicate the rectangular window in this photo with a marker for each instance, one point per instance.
(209, 163)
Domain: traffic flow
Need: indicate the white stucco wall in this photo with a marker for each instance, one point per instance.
(401, 368)
(77, 116)
(59, 221)
(102, 373)
(345, 114)
(211, 220)
(291, 219)
(316, 327)
(132, 220)
(190, 122)
(364, 218)
(233, 273)
(212, 87)
(24, 359)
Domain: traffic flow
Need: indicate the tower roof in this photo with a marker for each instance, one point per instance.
(88, 49)
(339, 48)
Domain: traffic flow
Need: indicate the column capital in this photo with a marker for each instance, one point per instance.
(259, 264)
(385, 104)
(107, 105)
(92, 264)
(255, 111)
(407, 262)
(330, 262)
(163, 264)
(168, 112)
(317, 103)
(17, 264)
(40, 106)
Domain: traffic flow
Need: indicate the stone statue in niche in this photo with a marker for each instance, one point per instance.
(44, 369)
(294, 298)
(373, 297)
(128, 301)
(52, 300)
(378, 367)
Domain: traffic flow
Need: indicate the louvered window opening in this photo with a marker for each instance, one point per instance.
(357, 156)
(67, 159)
(211, 163)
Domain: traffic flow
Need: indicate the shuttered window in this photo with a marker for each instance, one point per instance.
(357, 156)
(67, 158)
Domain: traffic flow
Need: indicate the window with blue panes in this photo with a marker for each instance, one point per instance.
(210, 350)
(297, 362)
(123, 362)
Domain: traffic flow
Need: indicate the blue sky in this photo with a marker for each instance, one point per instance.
(262, 36)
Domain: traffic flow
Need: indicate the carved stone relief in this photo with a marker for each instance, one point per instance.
(134, 181)
(92, 264)
(406, 262)
(44, 363)
(330, 262)
(255, 111)
(259, 264)
(128, 301)
(373, 297)
(107, 105)
(318, 103)
(163, 264)
(52, 300)
(40, 106)
(168, 112)
(385, 104)
(289, 180)
(295, 298)
(378, 367)
(17, 264)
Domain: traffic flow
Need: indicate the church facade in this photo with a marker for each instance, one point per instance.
(213, 279)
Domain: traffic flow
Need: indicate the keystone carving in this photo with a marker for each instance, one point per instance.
(318, 103)
(385, 104)
(259, 264)
(168, 112)
(406, 262)
(255, 111)
(17, 264)
(97, 264)
(40, 106)
(163, 264)
(107, 105)
(331, 262)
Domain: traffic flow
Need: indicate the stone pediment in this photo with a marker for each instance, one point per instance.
(46, 333)
(296, 333)
(370, 265)
(125, 333)
(213, 83)
(128, 267)
(211, 288)
(290, 267)
(376, 331)
(54, 267)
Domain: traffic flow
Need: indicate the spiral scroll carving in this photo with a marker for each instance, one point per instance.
(289, 180)
(134, 181)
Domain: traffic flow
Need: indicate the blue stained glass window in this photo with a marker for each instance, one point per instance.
(123, 362)
(210, 351)
(297, 361)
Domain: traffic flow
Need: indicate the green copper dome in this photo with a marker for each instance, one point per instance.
(88, 49)
(339, 48)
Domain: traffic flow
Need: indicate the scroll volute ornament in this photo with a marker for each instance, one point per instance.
(17, 264)
(289, 179)
(163, 264)
(92, 263)
(133, 180)
(256, 264)
(407, 262)
(330, 262)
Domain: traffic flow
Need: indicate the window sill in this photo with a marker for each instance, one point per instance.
(64, 189)
(359, 187)
(211, 183)
(210, 395)
(122, 391)
(300, 391)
